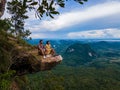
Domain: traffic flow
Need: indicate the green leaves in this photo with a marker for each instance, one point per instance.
(47, 7)
(18, 10)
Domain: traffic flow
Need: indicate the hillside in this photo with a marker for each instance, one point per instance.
(79, 54)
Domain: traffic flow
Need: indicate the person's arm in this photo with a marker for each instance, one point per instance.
(39, 47)
(51, 46)
(46, 48)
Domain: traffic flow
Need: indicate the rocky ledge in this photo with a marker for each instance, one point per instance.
(25, 63)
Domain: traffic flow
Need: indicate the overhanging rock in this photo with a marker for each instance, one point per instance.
(27, 63)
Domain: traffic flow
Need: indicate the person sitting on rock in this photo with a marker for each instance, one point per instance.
(41, 48)
(48, 49)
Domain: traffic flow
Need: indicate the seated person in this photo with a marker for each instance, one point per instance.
(41, 48)
(48, 49)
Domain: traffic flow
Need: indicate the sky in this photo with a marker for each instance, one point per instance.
(95, 19)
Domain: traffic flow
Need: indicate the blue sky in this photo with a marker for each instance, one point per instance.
(94, 19)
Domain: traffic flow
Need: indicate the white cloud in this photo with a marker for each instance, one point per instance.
(76, 17)
(38, 35)
(44, 35)
(103, 33)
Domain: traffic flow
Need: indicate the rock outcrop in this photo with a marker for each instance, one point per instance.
(49, 62)
(25, 63)
(23, 58)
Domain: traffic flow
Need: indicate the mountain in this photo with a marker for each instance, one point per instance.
(79, 54)
(107, 49)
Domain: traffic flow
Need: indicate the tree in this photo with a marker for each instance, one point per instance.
(18, 11)
(2, 7)
(44, 6)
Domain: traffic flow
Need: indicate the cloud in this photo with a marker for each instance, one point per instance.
(76, 17)
(38, 35)
(103, 33)
(44, 35)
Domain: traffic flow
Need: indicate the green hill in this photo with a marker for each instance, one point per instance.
(79, 54)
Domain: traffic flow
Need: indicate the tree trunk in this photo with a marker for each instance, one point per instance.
(2, 7)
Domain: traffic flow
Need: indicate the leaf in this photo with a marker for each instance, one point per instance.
(41, 15)
(81, 2)
(62, 4)
(85, 0)
(46, 13)
(52, 9)
(54, 12)
(34, 3)
(51, 15)
(29, 0)
(51, 3)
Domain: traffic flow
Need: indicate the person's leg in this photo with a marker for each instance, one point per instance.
(41, 52)
(46, 52)
(52, 52)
